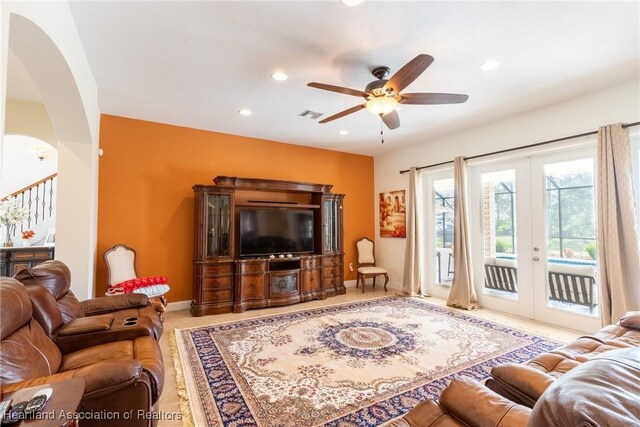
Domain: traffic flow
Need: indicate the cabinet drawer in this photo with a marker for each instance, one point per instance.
(330, 282)
(310, 280)
(248, 267)
(225, 295)
(252, 286)
(217, 269)
(332, 261)
(30, 256)
(332, 271)
(311, 262)
(212, 283)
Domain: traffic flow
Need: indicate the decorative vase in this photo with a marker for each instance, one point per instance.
(26, 242)
(7, 241)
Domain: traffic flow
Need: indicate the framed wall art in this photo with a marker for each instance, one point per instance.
(393, 217)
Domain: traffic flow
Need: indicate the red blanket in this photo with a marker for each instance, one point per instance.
(128, 286)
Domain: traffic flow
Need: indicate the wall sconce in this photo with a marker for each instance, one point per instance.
(41, 152)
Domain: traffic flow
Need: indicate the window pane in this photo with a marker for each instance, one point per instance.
(443, 202)
(499, 234)
(571, 236)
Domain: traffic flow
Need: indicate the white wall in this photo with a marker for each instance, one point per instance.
(21, 167)
(43, 35)
(619, 103)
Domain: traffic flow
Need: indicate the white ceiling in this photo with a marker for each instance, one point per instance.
(196, 64)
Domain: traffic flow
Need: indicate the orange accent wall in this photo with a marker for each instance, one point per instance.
(145, 198)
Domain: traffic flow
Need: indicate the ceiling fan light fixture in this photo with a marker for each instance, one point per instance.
(381, 105)
(279, 76)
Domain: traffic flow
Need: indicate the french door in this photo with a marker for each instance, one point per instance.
(533, 225)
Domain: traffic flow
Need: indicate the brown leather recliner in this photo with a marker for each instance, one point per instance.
(596, 361)
(601, 392)
(82, 332)
(56, 278)
(525, 383)
(120, 376)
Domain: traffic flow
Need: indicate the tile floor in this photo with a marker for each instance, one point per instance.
(170, 401)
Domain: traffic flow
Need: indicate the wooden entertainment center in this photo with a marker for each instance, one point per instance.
(226, 280)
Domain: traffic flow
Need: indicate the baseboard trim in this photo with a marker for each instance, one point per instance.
(179, 305)
(390, 285)
(185, 305)
(350, 283)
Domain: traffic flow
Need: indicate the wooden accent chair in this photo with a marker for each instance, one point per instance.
(366, 263)
(121, 266)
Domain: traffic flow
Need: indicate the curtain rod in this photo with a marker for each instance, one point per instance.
(595, 132)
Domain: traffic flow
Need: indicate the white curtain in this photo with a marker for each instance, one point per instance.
(462, 294)
(618, 252)
(411, 283)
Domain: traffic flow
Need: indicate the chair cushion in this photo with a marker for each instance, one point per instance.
(365, 251)
(602, 392)
(16, 306)
(53, 275)
(372, 270)
(144, 350)
(27, 353)
(630, 320)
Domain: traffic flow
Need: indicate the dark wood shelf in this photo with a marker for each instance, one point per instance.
(277, 205)
(276, 259)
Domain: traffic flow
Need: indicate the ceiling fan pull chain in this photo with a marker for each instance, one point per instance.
(381, 129)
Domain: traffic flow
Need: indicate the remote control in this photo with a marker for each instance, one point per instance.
(15, 414)
(4, 407)
(47, 391)
(35, 405)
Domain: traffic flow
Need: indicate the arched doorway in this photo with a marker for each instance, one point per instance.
(29, 178)
(45, 41)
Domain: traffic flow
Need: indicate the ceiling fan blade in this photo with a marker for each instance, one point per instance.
(432, 98)
(343, 113)
(392, 120)
(338, 89)
(411, 70)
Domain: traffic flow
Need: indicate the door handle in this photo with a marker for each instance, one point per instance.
(536, 258)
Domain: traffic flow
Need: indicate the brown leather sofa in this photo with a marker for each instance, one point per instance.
(55, 277)
(120, 376)
(525, 383)
(601, 392)
(595, 377)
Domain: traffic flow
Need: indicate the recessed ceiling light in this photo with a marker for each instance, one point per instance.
(490, 65)
(279, 76)
(344, 132)
(245, 112)
(351, 2)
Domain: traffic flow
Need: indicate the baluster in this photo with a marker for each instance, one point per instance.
(29, 203)
(37, 202)
(44, 198)
(51, 198)
(22, 206)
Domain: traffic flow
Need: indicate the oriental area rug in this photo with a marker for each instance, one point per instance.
(356, 364)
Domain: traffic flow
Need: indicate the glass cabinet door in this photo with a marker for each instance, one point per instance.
(218, 225)
(331, 224)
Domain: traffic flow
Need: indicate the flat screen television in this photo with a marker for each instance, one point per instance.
(266, 231)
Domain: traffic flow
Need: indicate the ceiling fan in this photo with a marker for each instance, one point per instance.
(383, 96)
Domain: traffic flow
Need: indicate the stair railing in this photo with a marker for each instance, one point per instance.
(38, 199)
